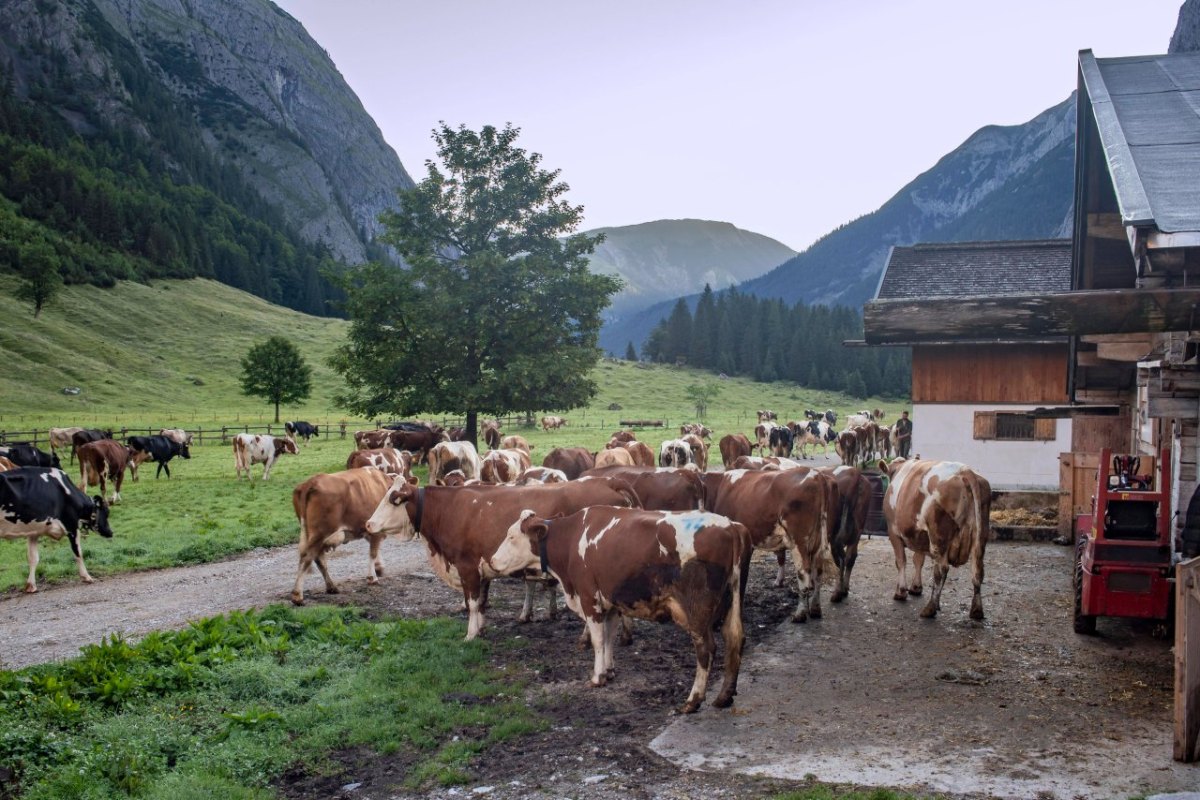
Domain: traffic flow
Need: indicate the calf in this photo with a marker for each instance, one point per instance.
(686, 567)
(503, 466)
(447, 456)
(36, 501)
(491, 433)
(572, 461)
(333, 509)
(302, 429)
(254, 448)
(388, 460)
(846, 446)
(941, 508)
(733, 446)
(101, 461)
(158, 449)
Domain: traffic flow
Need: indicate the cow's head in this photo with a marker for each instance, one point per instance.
(520, 549)
(54, 462)
(891, 468)
(184, 452)
(399, 511)
(98, 519)
(286, 445)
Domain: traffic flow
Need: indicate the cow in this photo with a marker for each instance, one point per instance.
(766, 415)
(855, 493)
(765, 462)
(6, 465)
(333, 508)
(60, 439)
(640, 452)
(373, 440)
(255, 448)
(621, 438)
(674, 453)
(159, 449)
(733, 446)
(783, 510)
(659, 489)
(803, 435)
(696, 429)
(85, 435)
(26, 455)
(830, 417)
(447, 456)
(457, 434)
(858, 420)
(552, 422)
(810, 415)
(464, 527)
(846, 446)
(883, 441)
(780, 440)
(541, 475)
(304, 430)
(699, 450)
(571, 460)
(176, 434)
(687, 567)
(103, 461)
(941, 508)
(491, 433)
(515, 442)
(503, 466)
(389, 460)
(762, 435)
(40, 501)
(614, 457)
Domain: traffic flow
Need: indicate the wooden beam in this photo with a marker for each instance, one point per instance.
(1031, 315)
(1105, 226)
(1124, 351)
(1177, 407)
(1187, 660)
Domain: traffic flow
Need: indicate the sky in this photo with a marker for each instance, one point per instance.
(783, 117)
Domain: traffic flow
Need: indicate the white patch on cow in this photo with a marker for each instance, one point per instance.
(942, 470)
(687, 525)
(735, 475)
(841, 469)
(445, 570)
(586, 540)
(897, 484)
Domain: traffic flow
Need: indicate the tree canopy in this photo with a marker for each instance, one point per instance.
(497, 311)
(275, 371)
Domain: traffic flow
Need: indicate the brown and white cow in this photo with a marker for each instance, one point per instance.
(255, 448)
(101, 461)
(703, 431)
(571, 460)
(515, 442)
(621, 438)
(941, 508)
(62, 439)
(373, 439)
(783, 510)
(333, 509)
(503, 466)
(389, 460)
(762, 435)
(176, 435)
(733, 446)
(613, 457)
(765, 415)
(659, 489)
(463, 527)
(447, 456)
(685, 567)
(883, 441)
(699, 450)
(551, 422)
(490, 428)
(541, 475)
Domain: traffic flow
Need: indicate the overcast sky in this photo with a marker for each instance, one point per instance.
(784, 117)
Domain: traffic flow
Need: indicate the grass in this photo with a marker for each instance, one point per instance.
(223, 708)
(168, 354)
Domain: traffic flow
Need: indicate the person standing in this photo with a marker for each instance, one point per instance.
(904, 435)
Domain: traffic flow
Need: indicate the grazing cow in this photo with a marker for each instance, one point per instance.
(26, 455)
(159, 449)
(332, 509)
(572, 461)
(503, 466)
(177, 435)
(515, 443)
(102, 461)
(491, 433)
(661, 489)
(733, 446)
(780, 440)
(846, 446)
(464, 527)
(36, 501)
(696, 429)
(783, 510)
(699, 450)
(541, 475)
(766, 416)
(389, 460)
(6, 465)
(255, 448)
(674, 453)
(686, 567)
(304, 430)
(446, 456)
(762, 435)
(614, 457)
(941, 508)
(60, 439)
(552, 422)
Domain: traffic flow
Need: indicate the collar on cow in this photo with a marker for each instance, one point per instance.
(420, 510)
(543, 554)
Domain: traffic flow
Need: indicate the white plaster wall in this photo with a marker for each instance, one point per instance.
(945, 432)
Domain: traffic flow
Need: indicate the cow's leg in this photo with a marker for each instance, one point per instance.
(917, 587)
(781, 575)
(810, 587)
(625, 634)
(901, 592)
(611, 624)
(551, 599)
(734, 635)
(32, 551)
(77, 551)
(977, 579)
(474, 590)
(596, 632)
(527, 607)
(940, 570)
(849, 556)
(374, 560)
(702, 639)
(267, 469)
(323, 566)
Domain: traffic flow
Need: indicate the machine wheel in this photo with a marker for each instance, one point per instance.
(1083, 624)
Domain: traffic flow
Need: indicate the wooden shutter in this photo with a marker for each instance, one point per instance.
(1045, 429)
(985, 424)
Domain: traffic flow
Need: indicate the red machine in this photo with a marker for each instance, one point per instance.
(1124, 562)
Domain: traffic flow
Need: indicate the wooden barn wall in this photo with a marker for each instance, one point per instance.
(989, 374)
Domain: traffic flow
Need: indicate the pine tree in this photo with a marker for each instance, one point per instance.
(630, 353)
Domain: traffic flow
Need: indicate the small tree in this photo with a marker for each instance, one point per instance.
(630, 353)
(701, 394)
(40, 279)
(276, 372)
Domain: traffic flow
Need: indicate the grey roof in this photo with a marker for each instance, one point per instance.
(971, 269)
(1147, 111)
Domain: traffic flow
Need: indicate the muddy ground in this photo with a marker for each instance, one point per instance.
(1016, 706)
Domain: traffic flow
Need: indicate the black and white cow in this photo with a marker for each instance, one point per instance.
(24, 454)
(36, 501)
(780, 439)
(302, 429)
(155, 448)
(830, 417)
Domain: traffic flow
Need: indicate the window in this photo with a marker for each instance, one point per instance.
(1013, 426)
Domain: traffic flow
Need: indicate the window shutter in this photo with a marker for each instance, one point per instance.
(1044, 430)
(985, 424)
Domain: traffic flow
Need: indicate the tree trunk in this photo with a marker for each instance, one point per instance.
(276, 412)
(472, 432)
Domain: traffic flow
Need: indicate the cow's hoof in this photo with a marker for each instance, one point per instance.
(723, 701)
(900, 596)
(800, 616)
(332, 590)
(690, 707)
(297, 599)
(596, 683)
(928, 612)
(88, 579)
(815, 613)
(524, 619)
(838, 596)
(916, 591)
(30, 589)
(976, 613)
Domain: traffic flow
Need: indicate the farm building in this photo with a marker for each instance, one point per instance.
(1130, 314)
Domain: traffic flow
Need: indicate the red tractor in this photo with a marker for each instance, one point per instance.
(1124, 563)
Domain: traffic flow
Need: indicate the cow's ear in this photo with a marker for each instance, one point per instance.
(533, 526)
(884, 466)
(413, 480)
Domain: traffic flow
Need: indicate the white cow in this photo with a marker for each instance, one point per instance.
(447, 456)
(255, 448)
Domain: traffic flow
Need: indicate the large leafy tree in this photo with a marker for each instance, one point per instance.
(275, 371)
(40, 278)
(496, 312)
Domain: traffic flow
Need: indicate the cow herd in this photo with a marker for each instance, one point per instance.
(622, 532)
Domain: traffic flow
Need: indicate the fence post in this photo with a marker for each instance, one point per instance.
(342, 426)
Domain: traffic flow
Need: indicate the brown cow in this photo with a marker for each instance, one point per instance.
(686, 567)
(491, 433)
(660, 489)
(941, 508)
(418, 441)
(515, 443)
(643, 456)
(846, 446)
(503, 466)
(614, 457)
(855, 493)
(733, 446)
(389, 460)
(699, 450)
(621, 438)
(333, 509)
(103, 460)
(463, 527)
(571, 460)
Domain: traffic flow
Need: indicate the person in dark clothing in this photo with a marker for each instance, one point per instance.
(904, 435)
